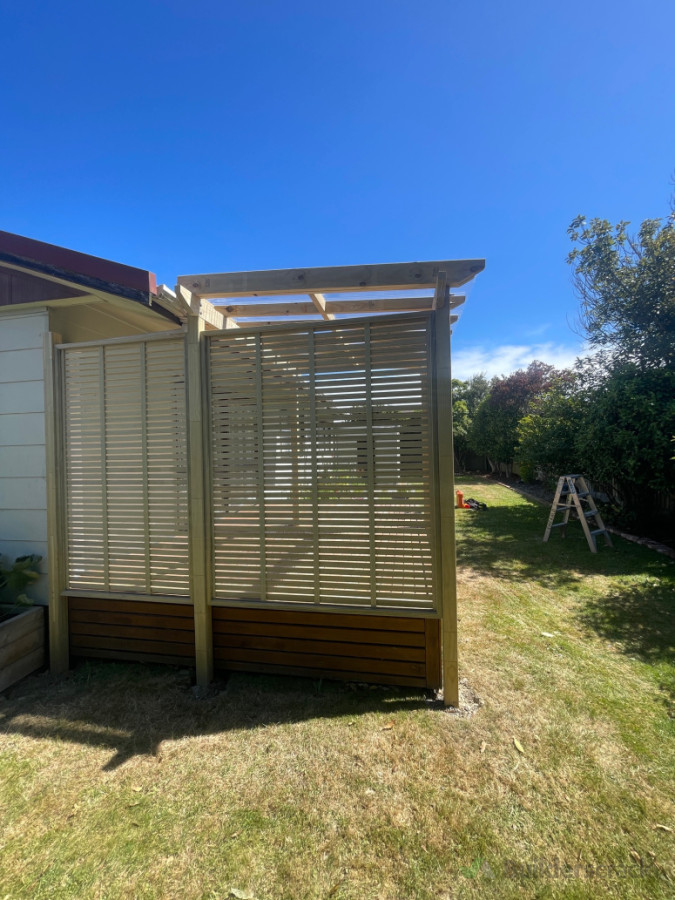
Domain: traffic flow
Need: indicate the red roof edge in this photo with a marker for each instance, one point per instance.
(78, 263)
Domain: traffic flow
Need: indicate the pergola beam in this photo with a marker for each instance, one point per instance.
(319, 302)
(384, 277)
(333, 307)
(244, 323)
(203, 309)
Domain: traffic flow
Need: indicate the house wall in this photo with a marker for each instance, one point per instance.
(23, 498)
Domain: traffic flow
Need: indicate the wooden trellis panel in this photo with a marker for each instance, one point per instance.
(124, 423)
(322, 464)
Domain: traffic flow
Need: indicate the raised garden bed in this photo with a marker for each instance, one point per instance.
(22, 644)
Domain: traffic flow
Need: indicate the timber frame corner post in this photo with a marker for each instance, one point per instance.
(445, 498)
(59, 650)
(199, 582)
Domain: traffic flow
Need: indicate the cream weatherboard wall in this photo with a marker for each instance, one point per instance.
(23, 499)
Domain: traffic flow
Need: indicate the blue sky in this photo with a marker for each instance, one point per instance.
(202, 136)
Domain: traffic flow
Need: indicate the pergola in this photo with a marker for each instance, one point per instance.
(270, 296)
(315, 477)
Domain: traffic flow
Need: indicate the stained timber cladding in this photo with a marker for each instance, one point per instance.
(137, 631)
(371, 648)
(124, 423)
(322, 464)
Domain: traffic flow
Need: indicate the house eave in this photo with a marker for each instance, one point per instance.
(89, 285)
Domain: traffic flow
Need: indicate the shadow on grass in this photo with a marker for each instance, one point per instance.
(641, 619)
(131, 709)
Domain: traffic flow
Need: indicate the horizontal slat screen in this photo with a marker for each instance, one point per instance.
(126, 467)
(322, 465)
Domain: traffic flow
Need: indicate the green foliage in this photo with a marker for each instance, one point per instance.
(467, 396)
(461, 420)
(627, 288)
(471, 391)
(494, 430)
(612, 424)
(528, 472)
(627, 391)
(630, 416)
(15, 578)
(489, 434)
(613, 418)
(547, 432)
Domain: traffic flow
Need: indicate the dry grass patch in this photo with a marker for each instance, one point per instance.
(118, 782)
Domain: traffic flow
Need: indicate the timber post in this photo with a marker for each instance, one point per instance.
(447, 556)
(199, 584)
(59, 652)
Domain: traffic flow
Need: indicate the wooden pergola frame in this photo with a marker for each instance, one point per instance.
(236, 295)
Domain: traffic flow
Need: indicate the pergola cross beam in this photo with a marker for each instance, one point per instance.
(335, 279)
(297, 308)
(319, 302)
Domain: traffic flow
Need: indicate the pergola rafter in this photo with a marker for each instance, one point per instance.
(237, 295)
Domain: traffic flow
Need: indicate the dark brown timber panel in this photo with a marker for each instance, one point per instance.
(139, 631)
(378, 649)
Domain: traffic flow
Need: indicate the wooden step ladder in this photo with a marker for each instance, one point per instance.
(571, 494)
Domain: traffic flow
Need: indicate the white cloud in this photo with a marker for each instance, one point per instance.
(506, 358)
(538, 331)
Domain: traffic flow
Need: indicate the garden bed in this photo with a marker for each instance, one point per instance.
(22, 644)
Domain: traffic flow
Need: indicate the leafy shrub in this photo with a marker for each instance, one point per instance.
(14, 579)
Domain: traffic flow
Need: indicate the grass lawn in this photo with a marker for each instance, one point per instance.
(117, 782)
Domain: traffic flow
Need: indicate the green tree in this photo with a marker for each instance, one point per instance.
(472, 391)
(624, 442)
(494, 430)
(626, 392)
(547, 433)
(627, 288)
(467, 396)
(460, 428)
